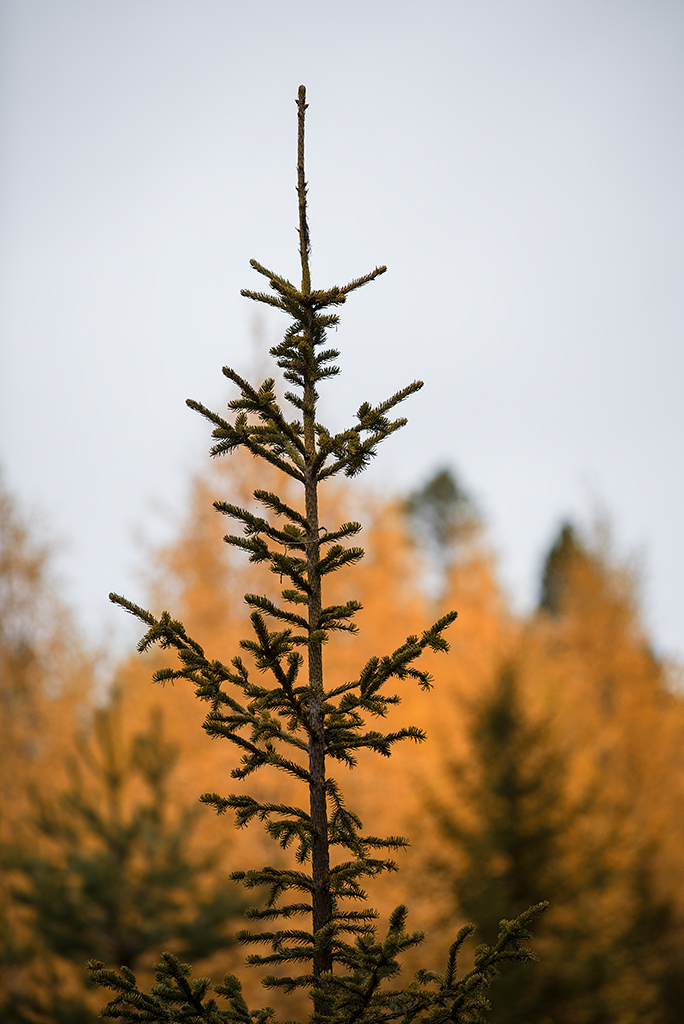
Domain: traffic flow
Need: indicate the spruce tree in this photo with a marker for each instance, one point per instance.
(613, 703)
(443, 514)
(515, 789)
(272, 702)
(108, 865)
(517, 818)
(565, 549)
(507, 830)
(443, 520)
(44, 682)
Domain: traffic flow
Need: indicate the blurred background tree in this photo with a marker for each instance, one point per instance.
(538, 801)
(45, 686)
(45, 672)
(121, 875)
(568, 731)
(443, 520)
(619, 722)
(515, 834)
(98, 852)
(504, 843)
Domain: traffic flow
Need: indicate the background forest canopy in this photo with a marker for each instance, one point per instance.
(544, 143)
(555, 767)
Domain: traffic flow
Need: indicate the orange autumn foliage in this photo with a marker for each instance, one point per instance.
(588, 672)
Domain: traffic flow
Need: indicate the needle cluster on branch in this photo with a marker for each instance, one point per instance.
(281, 714)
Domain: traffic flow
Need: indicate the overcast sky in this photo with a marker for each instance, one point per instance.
(518, 166)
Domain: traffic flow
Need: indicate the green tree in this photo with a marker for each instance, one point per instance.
(442, 519)
(109, 865)
(443, 513)
(613, 703)
(44, 671)
(273, 704)
(513, 783)
(610, 946)
(565, 550)
(44, 681)
(503, 840)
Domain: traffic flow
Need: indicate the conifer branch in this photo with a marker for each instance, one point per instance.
(277, 282)
(352, 453)
(291, 536)
(263, 402)
(358, 282)
(266, 605)
(277, 505)
(346, 530)
(269, 300)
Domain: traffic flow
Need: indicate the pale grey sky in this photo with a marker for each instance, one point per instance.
(518, 167)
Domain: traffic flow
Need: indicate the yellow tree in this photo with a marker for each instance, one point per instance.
(45, 688)
(620, 729)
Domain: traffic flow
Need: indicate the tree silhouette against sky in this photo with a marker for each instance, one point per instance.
(296, 724)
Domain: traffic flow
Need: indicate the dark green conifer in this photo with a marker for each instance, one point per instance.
(563, 552)
(281, 714)
(108, 868)
(516, 835)
(442, 521)
(509, 841)
(42, 670)
(516, 789)
(443, 513)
